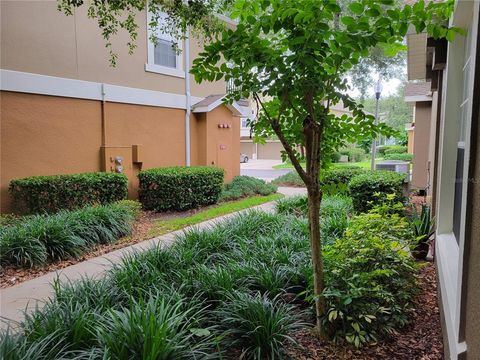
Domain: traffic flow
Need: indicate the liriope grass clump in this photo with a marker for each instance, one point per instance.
(39, 239)
(335, 213)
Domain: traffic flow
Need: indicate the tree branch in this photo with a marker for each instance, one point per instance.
(289, 150)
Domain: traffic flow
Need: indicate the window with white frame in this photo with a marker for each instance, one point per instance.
(164, 54)
(463, 118)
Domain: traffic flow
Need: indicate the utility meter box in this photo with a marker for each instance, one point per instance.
(118, 159)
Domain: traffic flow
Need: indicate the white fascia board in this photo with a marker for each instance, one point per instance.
(417, 98)
(233, 107)
(128, 95)
(56, 86)
(49, 85)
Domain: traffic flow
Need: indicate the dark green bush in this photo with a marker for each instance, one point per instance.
(365, 187)
(40, 239)
(354, 154)
(180, 188)
(340, 175)
(336, 157)
(242, 186)
(392, 149)
(395, 156)
(38, 194)
(289, 179)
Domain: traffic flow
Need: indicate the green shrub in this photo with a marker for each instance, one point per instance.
(38, 194)
(392, 149)
(364, 187)
(336, 157)
(396, 156)
(289, 179)
(370, 277)
(44, 238)
(354, 154)
(340, 175)
(242, 186)
(179, 188)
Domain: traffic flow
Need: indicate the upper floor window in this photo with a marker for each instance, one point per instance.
(165, 54)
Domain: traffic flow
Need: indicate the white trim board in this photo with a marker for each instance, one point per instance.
(233, 107)
(417, 98)
(56, 86)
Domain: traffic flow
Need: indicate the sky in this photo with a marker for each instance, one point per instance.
(389, 88)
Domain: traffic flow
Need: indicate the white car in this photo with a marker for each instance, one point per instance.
(243, 158)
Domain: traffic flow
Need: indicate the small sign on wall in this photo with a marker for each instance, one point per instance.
(223, 147)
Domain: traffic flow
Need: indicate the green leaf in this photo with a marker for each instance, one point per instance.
(450, 36)
(334, 8)
(348, 20)
(356, 8)
(356, 327)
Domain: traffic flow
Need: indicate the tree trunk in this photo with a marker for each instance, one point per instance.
(313, 137)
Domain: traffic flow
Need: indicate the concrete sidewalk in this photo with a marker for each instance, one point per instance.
(29, 294)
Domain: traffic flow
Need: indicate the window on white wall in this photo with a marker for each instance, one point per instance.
(164, 55)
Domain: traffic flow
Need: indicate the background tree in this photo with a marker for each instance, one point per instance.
(298, 53)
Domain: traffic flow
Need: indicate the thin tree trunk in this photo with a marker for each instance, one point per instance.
(314, 200)
(313, 136)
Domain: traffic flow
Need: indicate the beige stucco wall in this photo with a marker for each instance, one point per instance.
(47, 135)
(37, 38)
(44, 135)
(423, 115)
(219, 146)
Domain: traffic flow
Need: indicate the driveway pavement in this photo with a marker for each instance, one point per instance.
(262, 169)
(267, 175)
(260, 164)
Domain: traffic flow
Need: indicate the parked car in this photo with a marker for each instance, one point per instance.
(243, 158)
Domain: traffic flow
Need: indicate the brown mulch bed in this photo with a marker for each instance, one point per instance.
(11, 275)
(421, 340)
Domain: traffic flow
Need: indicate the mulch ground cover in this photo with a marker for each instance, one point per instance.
(420, 340)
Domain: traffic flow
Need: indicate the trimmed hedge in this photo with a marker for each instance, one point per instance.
(242, 186)
(40, 239)
(39, 194)
(180, 188)
(392, 149)
(403, 157)
(340, 175)
(364, 188)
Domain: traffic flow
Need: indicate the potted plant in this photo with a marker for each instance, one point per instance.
(422, 225)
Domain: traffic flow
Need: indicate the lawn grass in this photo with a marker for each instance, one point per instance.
(363, 164)
(165, 226)
(287, 165)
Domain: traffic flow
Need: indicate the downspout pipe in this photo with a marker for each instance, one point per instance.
(188, 101)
